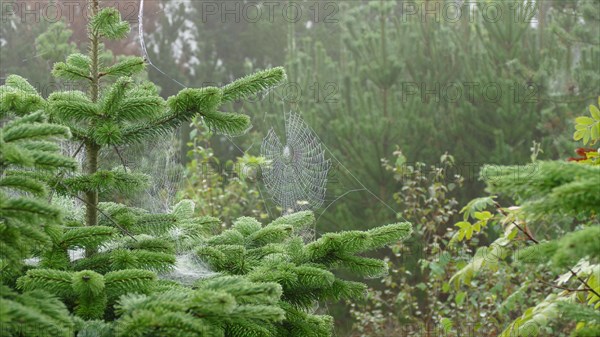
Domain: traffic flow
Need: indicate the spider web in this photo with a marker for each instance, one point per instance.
(160, 160)
(296, 173)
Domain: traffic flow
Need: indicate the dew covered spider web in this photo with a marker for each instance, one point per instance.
(296, 171)
(161, 161)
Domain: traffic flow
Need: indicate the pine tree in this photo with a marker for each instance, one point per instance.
(110, 271)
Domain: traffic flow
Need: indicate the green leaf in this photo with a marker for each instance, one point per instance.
(584, 120)
(579, 134)
(512, 234)
(595, 112)
(460, 298)
(463, 224)
(464, 228)
(469, 233)
(482, 215)
(477, 204)
(595, 133)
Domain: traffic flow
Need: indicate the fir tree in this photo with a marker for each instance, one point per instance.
(27, 221)
(27, 152)
(124, 112)
(267, 279)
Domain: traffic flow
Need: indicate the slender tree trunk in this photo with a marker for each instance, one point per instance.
(94, 42)
(92, 149)
(91, 198)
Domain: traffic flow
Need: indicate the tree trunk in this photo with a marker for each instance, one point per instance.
(92, 149)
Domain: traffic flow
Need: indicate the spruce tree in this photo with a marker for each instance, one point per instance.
(113, 269)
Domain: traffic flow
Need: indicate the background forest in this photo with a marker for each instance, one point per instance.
(477, 122)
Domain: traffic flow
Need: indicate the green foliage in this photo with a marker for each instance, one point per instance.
(116, 180)
(467, 229)
(18, 97)
(225, 189)
(561, 253)
(53, 43)
(127, 66)
(414, 296)
(108, 23)
(223, 305)
(76, 67)
(545, 70)
(34, 311)
(89, 289)
(252, 84)
(588, 128)
(550, 189)
(26, 217)
(271, 264)
(363, 91)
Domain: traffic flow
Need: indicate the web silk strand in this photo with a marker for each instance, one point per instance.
(143, 44)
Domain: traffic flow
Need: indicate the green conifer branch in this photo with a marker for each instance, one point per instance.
(86, 237)
(128, 66)
(72, 106)
(103, 181)
(33, 313)
(120, 259)
(89, 286)
(54, 281)
(24, 207)
(253, 84)
(19, 97)
(69, 72)
(107, 23)
(24, 184)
